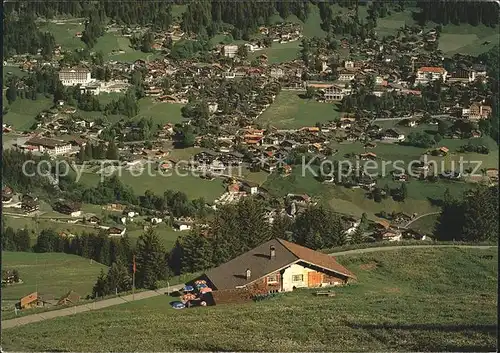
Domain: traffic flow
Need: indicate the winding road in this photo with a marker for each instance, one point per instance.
(421, 216)
(7, 324)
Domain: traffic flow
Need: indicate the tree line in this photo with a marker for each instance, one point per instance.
(473, 217)
(457, 12)
(238, 228)
(21, 35)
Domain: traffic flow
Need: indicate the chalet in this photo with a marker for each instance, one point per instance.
(401, 217)
(94, 220)
(390, 235)
(492, 173)
(382, 225)
(69, 298)
(368, 156)
(301, 200)
(7, 194)
(287, 170)
(392, 135)
(249, 187)
(182, 225)
(413, 234)
(277, 266)
(116, 231)
(412, 123)
(443, 151)
(67, 207)
(29, 203)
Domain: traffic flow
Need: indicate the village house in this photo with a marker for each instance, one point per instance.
(277, 266)
(299, 199)
(181, 225)
(492, 174)
(72, 209)
(392, 135)
(29, 203)
(368, 156)
(230, 51)
(94, 220)
(116, 231)
(7, 194)
(477, 111)
(346, 76)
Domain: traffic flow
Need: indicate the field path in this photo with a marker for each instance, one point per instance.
(86, 307)
(153, 293)
(396, 247)
(424, 215)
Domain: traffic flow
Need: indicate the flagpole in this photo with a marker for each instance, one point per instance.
(133, 281)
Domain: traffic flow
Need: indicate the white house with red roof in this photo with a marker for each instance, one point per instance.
(431, 73)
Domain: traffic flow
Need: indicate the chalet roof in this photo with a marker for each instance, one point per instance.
(232, 274)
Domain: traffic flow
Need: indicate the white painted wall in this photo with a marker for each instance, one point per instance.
(287, 277)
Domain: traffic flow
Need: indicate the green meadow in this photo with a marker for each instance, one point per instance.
(403, 300)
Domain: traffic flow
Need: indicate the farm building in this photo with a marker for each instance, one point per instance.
(277, 266)
(30, 301)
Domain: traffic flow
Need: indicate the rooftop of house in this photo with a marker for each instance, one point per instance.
(232, 274)
(432, 69)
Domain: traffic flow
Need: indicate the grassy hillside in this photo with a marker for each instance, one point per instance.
(408, 299)
(290, 111)
(52, 274)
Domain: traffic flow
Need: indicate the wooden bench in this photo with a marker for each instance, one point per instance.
(325, 294)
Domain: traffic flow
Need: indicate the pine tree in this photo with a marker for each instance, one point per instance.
(11, 93)
(118, 278)
(150, 260)
(196, 253)
(480, 214)
(112, 151)
(357, 237)
(100, 287)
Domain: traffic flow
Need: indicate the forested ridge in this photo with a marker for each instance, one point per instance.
(207, 18)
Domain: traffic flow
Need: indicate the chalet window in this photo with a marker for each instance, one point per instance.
(272, 278)
(297, 278)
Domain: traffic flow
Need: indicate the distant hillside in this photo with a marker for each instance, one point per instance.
(405, 300)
